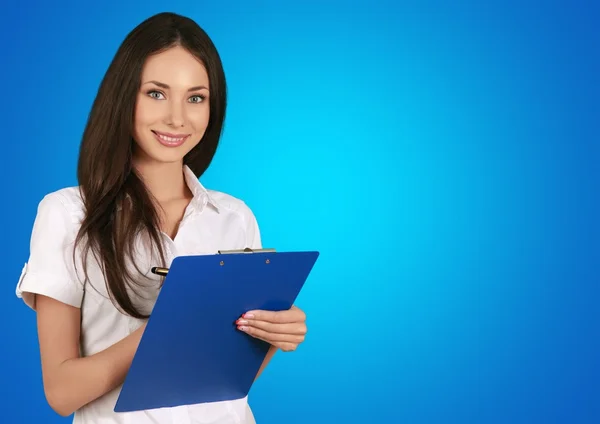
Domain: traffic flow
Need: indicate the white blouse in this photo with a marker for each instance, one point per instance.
(212, 221)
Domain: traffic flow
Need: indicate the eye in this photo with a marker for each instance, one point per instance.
(155, 94)
(197, 99)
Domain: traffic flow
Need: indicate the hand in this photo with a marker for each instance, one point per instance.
(282, 329)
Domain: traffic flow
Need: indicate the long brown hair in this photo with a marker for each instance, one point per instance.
(118, 207)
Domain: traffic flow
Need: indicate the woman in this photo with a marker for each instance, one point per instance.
(152, 132)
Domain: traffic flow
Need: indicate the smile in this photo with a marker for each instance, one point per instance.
(170, 140)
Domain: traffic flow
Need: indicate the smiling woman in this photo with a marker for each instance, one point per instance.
(152, 132)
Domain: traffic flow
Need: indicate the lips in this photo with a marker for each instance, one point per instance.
(169, 139)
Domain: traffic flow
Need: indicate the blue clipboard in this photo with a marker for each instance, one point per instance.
(191, 351)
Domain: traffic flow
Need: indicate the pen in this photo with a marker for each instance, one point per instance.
(160, 271)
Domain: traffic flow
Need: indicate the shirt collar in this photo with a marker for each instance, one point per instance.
(201, 195)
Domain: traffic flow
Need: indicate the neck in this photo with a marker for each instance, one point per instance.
(165, 181)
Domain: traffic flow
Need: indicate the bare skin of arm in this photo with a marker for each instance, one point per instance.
(266, 361)
(71, 381)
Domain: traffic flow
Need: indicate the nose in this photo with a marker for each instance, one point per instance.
(176, 117)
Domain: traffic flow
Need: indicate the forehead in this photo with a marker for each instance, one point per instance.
(175, 67)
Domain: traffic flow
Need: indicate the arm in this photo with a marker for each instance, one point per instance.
(266, 361)
(70, 381)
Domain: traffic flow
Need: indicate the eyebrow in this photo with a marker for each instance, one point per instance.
(166, 87)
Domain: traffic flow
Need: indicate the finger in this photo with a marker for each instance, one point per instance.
(279, 317)
(271, 337)
(297, 328)
(285, 346)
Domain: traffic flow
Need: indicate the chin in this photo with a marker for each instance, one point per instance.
(160, 154)
(168, 155)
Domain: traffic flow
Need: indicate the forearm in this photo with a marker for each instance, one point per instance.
(79, 381)
(266, 361)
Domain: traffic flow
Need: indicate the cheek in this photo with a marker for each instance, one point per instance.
(199, 116)
(146, 113)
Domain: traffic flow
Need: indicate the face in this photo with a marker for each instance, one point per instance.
(172, 107)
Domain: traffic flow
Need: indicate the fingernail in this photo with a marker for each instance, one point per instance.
(242, 328)
(248, 316)
(241, 321)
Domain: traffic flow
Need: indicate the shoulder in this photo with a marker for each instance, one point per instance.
(69, 196)
(65, 203)
(49, 270)
(227, 202)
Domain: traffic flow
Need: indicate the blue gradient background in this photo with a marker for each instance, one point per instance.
(443, 157)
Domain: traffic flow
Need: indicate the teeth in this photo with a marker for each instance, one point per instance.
(170, 139)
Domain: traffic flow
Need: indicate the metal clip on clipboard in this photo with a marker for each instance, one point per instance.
(164, 271)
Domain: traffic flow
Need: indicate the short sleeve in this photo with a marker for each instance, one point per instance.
(50, 270)
(253, 237)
